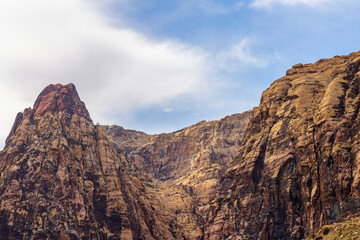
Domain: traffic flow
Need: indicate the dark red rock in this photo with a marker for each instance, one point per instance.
(60, 98)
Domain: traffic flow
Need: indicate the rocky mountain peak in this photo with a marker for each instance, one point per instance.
(298, 167)
(53, 99)
(60, 178)
(58, 98)
(288, 169)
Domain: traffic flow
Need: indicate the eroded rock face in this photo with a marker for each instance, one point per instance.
(185, 166)
(299, 164)
(294, 169)
(60, 178)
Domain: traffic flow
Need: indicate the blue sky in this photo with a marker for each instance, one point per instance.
(280, 34)
(157, 65)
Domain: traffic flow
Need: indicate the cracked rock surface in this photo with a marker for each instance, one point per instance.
(298, 167)
(60, 178)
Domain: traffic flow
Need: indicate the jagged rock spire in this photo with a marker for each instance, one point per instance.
(58, 98)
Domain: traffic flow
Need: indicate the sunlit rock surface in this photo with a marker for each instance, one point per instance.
(298, 167)
(185, 166)
(60, 178)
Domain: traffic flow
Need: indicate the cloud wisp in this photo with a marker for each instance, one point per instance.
(271, 3)
(116, 70)
(215, 8)
(240, 54)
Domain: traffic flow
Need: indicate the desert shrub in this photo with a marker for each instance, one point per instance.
(326, 231)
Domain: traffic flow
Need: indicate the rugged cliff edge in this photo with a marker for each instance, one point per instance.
(299, 164)
(60, 178)
(184, 167)
(288, 169)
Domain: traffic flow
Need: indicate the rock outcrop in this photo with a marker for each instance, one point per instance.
(298, 167)
(346, 229)
(60, 178)
(288, 169)
(185, 166)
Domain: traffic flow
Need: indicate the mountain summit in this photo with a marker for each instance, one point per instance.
(61, 179)
(53, 99)
(281, 171)
(298, 167)
(60, 98)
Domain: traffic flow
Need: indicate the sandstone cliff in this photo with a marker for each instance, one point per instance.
(60, 178)
(286, 170)
(298, 167)
(185, 166)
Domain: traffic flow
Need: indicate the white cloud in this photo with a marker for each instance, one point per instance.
(210, 7)
(238, 5)
(168, 109)
(240, 54)
(116, 71)
(270, 3)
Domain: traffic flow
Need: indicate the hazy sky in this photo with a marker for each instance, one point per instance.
(160, 65)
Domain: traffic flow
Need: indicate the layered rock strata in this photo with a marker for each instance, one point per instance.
(185, 166)
(281, 171)
(60, 178)
(298, 167)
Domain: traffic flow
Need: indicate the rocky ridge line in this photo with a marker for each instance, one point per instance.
(184, 167)
(298, 166)
(60, 178)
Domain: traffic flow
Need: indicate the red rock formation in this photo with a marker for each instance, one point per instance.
(54, 98)
(59, 98)
(298, 167)
(184, 166)
(61, 179)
